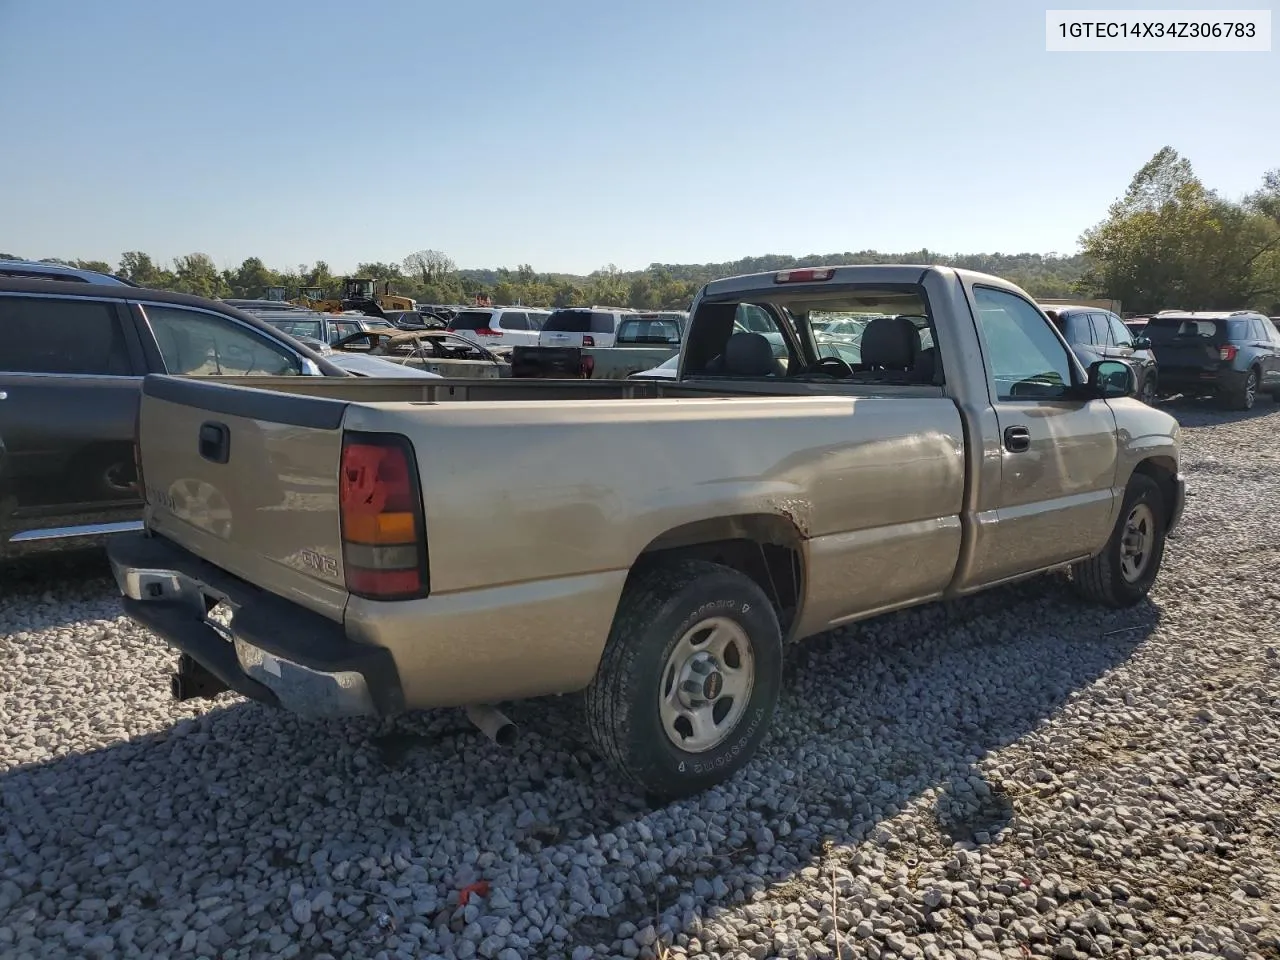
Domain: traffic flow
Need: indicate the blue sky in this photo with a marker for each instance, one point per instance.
(569, 135)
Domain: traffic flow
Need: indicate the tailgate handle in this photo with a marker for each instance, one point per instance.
(215, 442)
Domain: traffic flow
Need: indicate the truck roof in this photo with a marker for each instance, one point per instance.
(861, 273)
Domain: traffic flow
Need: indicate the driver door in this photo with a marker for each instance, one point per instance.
(1058, 456)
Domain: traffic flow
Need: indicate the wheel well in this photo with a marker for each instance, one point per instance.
(1164, 471)
(764, 547)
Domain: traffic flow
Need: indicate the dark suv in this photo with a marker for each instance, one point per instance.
(1234, 356)
(1096, 334)
(72, 358)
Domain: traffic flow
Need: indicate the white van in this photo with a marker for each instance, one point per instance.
(499, 326)
(582, 326)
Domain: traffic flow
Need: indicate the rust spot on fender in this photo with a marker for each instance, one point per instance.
(797, 511)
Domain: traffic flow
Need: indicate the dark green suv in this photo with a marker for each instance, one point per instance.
(1233, 356)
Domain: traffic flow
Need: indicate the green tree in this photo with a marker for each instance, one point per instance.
(196, 273)
(607, 287)
(1171, 242)
(251, 278)
(139, 268)
(430, 267)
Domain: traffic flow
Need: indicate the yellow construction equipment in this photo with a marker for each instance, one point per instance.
(358, 293)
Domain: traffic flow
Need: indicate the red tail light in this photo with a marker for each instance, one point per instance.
(486, 332)
(384, 545)
(1227, 353)
(588, 341)
(588, 367)
(803, 276)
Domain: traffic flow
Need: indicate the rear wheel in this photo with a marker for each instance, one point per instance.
(1123, 573)
(689, 679)
(1245, 394)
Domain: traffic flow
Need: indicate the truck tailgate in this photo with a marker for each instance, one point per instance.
(248, 480)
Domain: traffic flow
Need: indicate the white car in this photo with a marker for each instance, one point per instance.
(499, 326)
(663, 371)
(363, 365)
(582, 327)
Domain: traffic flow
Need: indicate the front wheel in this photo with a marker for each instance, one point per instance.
(1123, 573)
(689, 679)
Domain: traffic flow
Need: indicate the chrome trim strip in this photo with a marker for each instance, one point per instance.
(84, 530)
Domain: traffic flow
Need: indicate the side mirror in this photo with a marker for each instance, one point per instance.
(1111, 378)
(1141, 343)
(310, 368)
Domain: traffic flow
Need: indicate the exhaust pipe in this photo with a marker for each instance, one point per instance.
(494, 724)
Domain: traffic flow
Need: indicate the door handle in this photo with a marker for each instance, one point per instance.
(1017, 439)
(215, 442)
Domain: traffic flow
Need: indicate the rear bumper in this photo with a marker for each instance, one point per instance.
(273, 650)
(1193, 380)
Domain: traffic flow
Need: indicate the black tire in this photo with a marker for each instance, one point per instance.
(1244, 396)
(659, 606)
(1102, 579)
(1150, 390)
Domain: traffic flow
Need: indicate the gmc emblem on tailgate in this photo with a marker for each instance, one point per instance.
(320, 563)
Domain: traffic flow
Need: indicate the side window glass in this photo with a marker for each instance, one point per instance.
(1101, 336)
(515, 321)
(43, 335)
(204, 345)
(1120, 334)
(1026, 360)
(602, 322)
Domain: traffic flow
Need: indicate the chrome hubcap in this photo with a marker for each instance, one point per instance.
(1136, 542)
(706, 684)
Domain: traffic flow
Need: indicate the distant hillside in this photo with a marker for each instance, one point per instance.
(664, 285)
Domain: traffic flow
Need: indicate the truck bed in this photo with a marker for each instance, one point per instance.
(536, 507)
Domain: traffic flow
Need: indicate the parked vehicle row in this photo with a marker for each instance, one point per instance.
(435, 351)
(362, 543)
(641, 340)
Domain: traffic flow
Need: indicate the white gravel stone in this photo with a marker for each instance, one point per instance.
(1013, 773)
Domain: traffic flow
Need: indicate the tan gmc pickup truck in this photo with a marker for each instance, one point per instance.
(386, 546)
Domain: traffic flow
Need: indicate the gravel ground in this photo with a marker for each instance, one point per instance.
(1010, 776)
